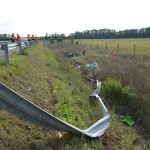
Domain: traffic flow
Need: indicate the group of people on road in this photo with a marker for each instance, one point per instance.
(32, 38)
(15, 38)
(29, 38)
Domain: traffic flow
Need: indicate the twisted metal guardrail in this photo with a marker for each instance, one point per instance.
(22, 108)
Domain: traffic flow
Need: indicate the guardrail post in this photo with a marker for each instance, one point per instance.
(30, 43)
(6, 54)
(26, 45)
(20, 48)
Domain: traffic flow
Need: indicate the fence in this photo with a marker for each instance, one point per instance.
(125, 47)
(9, 48)
(105, 47)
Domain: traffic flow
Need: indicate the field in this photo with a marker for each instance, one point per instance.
(126, 46)
(131, 67)
(57, 87)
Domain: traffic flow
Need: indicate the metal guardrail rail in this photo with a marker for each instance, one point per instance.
(8, 48)
(21, 107)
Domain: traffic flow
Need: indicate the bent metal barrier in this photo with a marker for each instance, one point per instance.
(21, 107)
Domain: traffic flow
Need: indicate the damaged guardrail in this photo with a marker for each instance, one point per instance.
(22, 108)
(90, 67)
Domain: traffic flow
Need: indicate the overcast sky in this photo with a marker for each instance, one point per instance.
(39, 17)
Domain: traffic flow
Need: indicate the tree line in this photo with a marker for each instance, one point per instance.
(100, 34)
(111, 34)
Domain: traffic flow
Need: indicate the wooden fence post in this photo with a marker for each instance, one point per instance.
(118, 48)
(97, 46)
(134, 49)
(134, 67)
(106, 47)
(90, 45)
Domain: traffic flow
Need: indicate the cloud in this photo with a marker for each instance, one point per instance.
(6, 25)
(40, 17)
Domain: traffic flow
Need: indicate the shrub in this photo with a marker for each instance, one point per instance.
(24, 52)
(126, 96)
(113, 91)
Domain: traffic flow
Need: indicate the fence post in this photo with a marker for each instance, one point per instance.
(20, 48)
(6, 54)
(134, 49)
(106, 47)
(85, 44)
(97, 46)
(118, 48)
(90, 45)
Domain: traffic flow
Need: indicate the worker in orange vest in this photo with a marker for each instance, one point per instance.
(13, 38)
(36, 39)
(18, 38)
(112, 56)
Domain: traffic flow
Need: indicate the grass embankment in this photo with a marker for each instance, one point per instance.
(57, 87)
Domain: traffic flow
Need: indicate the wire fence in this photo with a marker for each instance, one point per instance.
(123, 48)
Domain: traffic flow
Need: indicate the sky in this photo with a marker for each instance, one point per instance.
(39, 17)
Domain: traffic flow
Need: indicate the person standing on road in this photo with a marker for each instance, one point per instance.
(18, 38)
(32, 39)
(29, 39)
(36, 39)
(13, 38)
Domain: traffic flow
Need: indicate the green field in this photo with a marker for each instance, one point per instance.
(126, 46)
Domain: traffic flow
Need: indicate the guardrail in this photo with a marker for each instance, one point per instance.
(23, 108)
(6, 49)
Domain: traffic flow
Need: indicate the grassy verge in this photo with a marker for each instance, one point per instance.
(57, 87)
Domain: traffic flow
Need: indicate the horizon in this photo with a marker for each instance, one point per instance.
(80, 31)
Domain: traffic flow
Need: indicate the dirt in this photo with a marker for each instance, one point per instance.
(111, 141)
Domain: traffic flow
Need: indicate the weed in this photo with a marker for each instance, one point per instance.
(115, 93)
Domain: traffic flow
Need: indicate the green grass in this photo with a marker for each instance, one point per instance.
(131, 70)
(57, 87)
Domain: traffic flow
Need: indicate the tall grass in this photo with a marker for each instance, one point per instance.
(131, 70)
(117, 95)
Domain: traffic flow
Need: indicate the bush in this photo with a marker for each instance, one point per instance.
(126, 96)
(113, 91)
(24, 52)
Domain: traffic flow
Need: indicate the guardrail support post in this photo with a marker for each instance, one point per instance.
(26, 45)
(6, 54)
(30, 43)
(20, 48)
